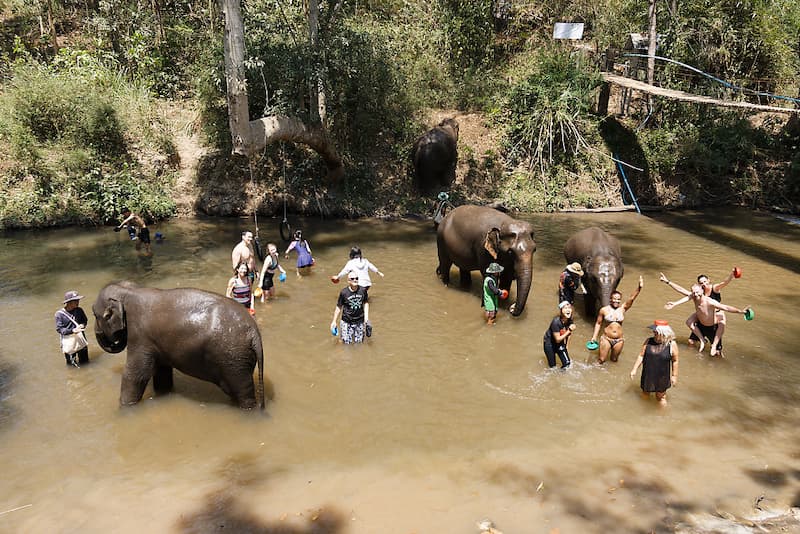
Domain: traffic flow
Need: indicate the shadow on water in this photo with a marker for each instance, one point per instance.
(7, 412)
(697, 224)
(223, 512)
(625, 489)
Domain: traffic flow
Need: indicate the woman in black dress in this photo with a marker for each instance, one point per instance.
(659, 360)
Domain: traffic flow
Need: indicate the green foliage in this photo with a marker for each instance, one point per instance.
(547, 108)
(65, 129)
(470, 32)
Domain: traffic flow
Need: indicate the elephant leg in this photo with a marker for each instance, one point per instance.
(162, 379)
(132, 387)
(589, 303)
(466, 278)
(243, 393)
(443, 270)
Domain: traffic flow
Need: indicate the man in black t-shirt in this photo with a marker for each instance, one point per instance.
(353, 306)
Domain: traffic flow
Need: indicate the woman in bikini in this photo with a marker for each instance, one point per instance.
(610, 317)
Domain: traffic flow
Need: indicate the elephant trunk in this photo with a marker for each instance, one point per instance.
(524, 278)
(112, 347)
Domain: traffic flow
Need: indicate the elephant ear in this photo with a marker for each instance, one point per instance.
(114, 315)
(492, 242)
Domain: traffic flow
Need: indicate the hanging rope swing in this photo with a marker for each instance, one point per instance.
(260, 251)
(284, 226)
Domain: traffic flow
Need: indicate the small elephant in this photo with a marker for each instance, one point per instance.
(434, 156)
(199, 333)
(600, 256)
(474, 236)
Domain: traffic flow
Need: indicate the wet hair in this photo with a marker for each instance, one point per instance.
(355, 252)
(298, 234)
(615, 292)
(665, 332)
(236, 270)
(125, 210)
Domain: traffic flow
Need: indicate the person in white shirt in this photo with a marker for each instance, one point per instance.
(360, 265)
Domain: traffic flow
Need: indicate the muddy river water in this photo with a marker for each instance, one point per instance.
(436, 423)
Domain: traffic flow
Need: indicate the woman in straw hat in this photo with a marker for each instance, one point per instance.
(569, 282)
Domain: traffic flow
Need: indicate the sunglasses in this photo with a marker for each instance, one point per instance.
(356, 279)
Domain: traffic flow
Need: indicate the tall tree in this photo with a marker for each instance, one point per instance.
(251, 136)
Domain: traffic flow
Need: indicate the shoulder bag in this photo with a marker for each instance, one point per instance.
(72, 343)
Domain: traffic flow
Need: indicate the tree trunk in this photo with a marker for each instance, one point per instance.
(251, 137)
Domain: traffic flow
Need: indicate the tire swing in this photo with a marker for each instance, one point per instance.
(284, 227)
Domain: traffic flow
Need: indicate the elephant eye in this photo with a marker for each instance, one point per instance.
(107, 314)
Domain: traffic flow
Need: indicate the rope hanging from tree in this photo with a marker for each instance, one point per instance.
(285, 227)
(256, 242)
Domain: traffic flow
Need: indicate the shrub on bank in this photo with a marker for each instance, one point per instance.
(74, 137)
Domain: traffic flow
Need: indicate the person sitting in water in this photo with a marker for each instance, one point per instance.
(303, 249)
(362, 266)
(610, 318)
(710, 290)
(557, 337)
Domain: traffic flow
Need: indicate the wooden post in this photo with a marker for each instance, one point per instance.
(651, 45)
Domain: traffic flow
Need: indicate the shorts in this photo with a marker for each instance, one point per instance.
(268, 282)
(352, 332)
(709, 332)
(144, 235)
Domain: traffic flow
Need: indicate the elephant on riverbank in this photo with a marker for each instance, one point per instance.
(199, 333)
(434, 157)
(600, 255)
(471, 237)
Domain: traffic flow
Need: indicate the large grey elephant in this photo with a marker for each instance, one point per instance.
(600, 255)
(199, 333)
(434, 157)
(471, 237)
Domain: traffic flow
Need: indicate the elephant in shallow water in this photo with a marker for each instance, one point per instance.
(600, 255)
(474, 236)
(199, 333)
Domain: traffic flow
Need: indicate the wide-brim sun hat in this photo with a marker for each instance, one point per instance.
(575, 268)
(71, 295)
(494, 268)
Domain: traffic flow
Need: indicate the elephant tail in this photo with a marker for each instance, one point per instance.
(258, 348)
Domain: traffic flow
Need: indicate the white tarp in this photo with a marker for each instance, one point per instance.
(568, 30)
